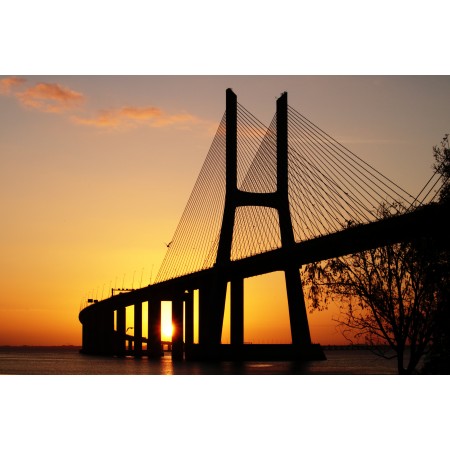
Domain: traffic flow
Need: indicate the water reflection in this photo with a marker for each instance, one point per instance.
(61, 362)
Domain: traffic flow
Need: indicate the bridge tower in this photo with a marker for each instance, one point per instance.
(212, 311)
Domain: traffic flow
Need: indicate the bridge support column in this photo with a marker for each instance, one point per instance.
(106, 332)
(237, 311)
(121, 331)
(219, 291)
(154, 329)
(217, 300)
(204, 316)
(138, 329)
(189, 318)
(297, 309)
(177, 336)
(211, 311)
(88, 344)
(98, 333)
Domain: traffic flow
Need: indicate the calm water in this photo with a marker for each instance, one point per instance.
(68, 361)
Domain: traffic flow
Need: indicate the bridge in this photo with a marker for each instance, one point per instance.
(267, 199)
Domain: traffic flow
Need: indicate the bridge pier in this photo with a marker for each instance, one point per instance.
(106, 332)
(154, 329)
(177, 335)
(98, 334)
(297, 309)
(204, 315)
(120, 346)
(237, 311)
(189, 318)
(235, 198)
(138, 329)
(211, 309)
(88, 337)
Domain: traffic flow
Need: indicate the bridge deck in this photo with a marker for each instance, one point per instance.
(430, 220)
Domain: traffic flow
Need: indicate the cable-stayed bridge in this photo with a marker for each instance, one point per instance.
(267, 199)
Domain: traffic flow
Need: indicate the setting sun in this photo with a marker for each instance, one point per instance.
(166, 331)
(166, 321)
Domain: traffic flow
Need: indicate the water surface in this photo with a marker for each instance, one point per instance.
(69, 361)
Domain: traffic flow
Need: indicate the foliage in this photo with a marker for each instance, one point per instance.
(441, 155)
(389, 296)
(438, 359)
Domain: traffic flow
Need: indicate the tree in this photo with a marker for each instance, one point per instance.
(386, 295)
(395, 296)
(438, 359)
(441, 166)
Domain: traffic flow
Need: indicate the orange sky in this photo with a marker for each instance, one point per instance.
(95, 173)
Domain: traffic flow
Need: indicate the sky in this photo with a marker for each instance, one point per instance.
(95, 172)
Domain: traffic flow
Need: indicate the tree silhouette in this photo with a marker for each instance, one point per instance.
(388, 295)
(438, 359)
(441, 155)
(395, 297)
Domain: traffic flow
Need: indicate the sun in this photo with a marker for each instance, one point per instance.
(166, 331)
(166, 321)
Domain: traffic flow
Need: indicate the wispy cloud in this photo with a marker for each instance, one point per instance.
(56, 98)
(7, 85)
(131, 116)
(50, 97)
(47, 97)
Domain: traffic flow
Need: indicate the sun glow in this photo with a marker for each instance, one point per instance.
(166, 321)
(166, 331)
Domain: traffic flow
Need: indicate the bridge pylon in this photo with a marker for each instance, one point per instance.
(213, 312)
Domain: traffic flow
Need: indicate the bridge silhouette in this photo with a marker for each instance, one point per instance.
(267, 199)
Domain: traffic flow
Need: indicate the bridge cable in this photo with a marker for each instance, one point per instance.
(358, 186)
(330, 178)
(354, 156)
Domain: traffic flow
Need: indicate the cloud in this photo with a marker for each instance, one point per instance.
(50, 97)
(131, 116)
(56, 98)
(7, 85)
